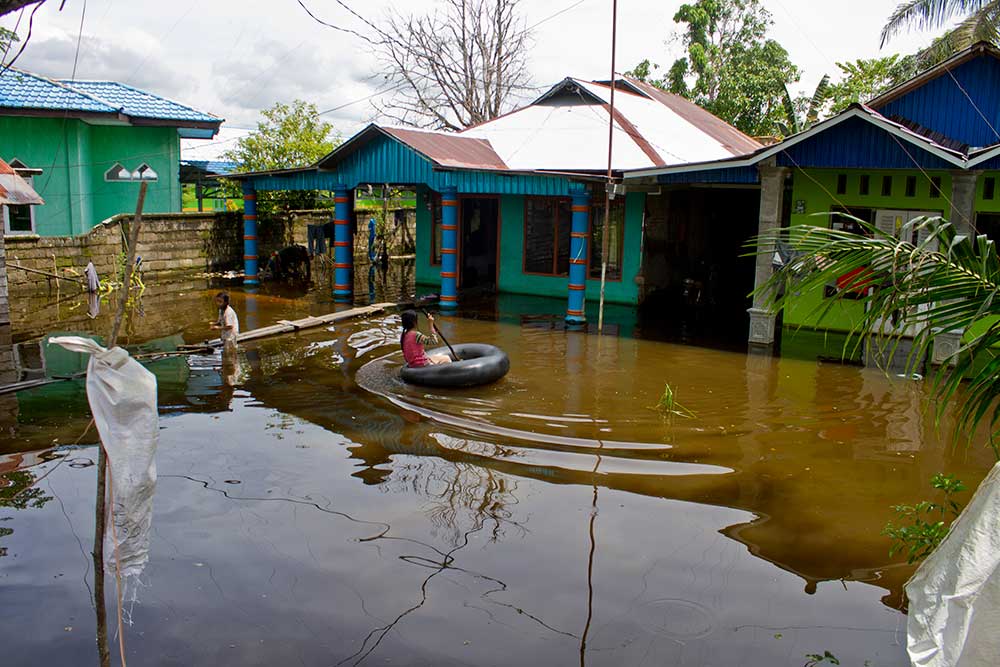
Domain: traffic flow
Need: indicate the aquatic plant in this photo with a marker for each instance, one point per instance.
(927, 522)
(669, 405)
(826, 659)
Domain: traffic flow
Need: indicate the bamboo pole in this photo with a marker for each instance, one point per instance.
(100, 509)
(607, 187)
(45, 273)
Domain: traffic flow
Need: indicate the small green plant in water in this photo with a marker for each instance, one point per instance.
(826, 659)
(668, 404)
(925, 524)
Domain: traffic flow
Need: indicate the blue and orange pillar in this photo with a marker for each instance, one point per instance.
(249, 234)
(449, 247)
(343, 251)
(575, 309)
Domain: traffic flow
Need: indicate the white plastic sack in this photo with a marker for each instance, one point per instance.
(955, 594)
(122, 397)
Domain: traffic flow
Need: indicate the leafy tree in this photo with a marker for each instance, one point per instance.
(980, 22)
(865, 79)
(288, 136)
(731, 68)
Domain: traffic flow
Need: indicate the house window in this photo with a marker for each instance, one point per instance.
(434, 203)
(547, 223)
(887, 186)
(989, 187)
(864, 184)
(911, 186)
(19, 219)
(841, 184)
(616, 238)
(988, 224)
(935, 187)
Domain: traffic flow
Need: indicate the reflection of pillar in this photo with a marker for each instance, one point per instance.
(250, 310)
(343, 253)
(772, 190)
(449, 247)
(249, 233)
(575, 309)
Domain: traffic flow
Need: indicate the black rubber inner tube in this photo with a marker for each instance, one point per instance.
(478, 364)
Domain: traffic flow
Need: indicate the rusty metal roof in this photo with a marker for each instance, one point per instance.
(450, 150)
(737, 142)
(14, 189)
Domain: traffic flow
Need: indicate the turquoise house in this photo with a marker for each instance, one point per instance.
(517, 204)
(83, 145)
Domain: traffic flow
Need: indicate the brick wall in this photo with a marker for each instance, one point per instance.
(4, 304)
(169, 243)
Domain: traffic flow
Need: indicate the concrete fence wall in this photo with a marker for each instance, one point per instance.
(169, 243)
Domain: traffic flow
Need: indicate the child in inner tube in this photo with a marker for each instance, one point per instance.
(412, 342)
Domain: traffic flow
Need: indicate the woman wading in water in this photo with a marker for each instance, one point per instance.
(412, 342)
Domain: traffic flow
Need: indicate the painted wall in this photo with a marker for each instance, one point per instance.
(159, 147)
(514, 280)
(512, 277)
(816, 190)
(73, 157)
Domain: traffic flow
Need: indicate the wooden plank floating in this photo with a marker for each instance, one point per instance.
(291, 326)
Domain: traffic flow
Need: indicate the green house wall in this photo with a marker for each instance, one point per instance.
(817, 188)
(512, 277)
(74, 156)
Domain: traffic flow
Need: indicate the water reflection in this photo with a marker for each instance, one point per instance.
(551, 518)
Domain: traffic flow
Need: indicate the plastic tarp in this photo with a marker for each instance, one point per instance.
(122, 397)
(954, 618)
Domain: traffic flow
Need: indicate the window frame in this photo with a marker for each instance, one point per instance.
(30, 180)
(594, 207)
(555, 236)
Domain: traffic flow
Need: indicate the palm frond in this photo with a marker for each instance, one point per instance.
(928, 14)
(914, 290)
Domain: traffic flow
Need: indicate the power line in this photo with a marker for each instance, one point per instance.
(552, 16)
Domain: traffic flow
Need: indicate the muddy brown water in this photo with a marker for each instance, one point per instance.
(312, 509)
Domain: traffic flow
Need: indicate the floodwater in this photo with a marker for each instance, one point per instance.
(311, 509)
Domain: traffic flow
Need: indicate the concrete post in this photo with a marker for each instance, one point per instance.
(249, 234)
(962, 216)
(449, 247)
(576, 307)
(343, 250)
(962, 213)
(772, 192)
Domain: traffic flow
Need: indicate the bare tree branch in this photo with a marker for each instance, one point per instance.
(458, 66)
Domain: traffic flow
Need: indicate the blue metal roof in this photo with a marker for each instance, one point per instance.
(216, 167)
(383, 159)
(140, 104)
(739, 175)
(857, 144)
(21, 90)
(961, 103)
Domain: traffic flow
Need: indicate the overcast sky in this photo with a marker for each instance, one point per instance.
(236, 57)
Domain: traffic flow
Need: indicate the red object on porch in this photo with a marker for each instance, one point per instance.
(850, 282)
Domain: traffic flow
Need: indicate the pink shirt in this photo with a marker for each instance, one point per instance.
(413, 348)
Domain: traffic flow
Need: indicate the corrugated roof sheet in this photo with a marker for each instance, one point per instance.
(22, 90)
(14, 189)
(450, 150)
(140, 104)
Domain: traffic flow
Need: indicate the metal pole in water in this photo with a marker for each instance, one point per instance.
(608, 186)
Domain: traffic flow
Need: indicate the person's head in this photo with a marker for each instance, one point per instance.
(222, 300)
(409, 319)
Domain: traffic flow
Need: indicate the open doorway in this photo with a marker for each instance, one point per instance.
(479, 229)
(698, 273)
